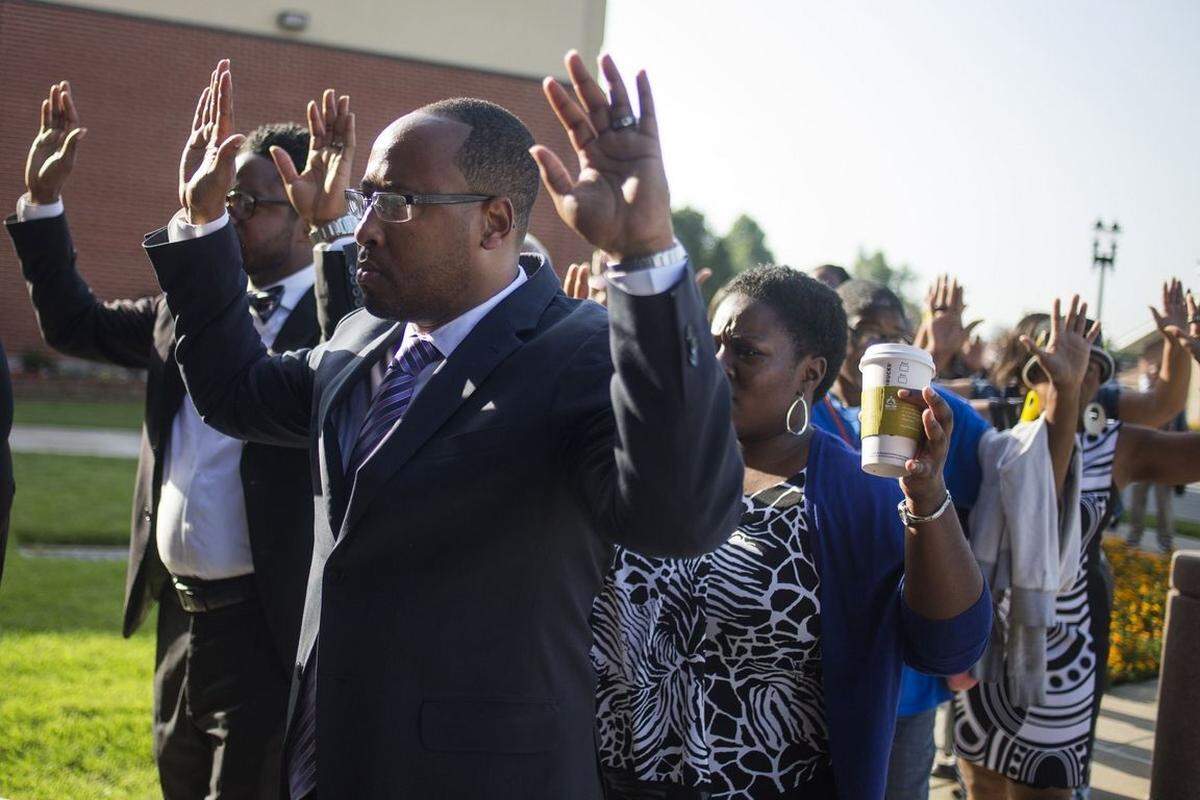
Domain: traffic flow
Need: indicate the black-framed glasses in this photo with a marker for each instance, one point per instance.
(395, 207)
(242, 205)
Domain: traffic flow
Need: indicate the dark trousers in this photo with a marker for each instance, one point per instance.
(912, 755)
(220, 703)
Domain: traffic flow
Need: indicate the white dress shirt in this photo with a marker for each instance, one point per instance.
(27, 210)
(448, 337)
(201, 529)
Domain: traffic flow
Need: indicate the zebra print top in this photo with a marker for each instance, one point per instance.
(710, 668)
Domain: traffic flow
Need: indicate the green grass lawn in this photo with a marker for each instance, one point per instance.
(72, 499)
(79, 414)
(75, 718)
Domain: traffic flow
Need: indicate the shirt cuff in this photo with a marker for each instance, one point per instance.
(179, 229)
(27, 210)
(651, 280)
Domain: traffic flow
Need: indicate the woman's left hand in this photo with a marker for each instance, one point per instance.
(923, 484)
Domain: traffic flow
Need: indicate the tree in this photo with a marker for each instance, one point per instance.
(703, 247)
(875, 267)
(691, 229)
(744, 246)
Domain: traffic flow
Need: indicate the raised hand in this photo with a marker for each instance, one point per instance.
(923, 483)
(973, 352)
(944, 332)
(576, 282)
(52, 154)
(206, 169)
(1193, 325)
(1177, 321)
(1064, 358)
(319, 193)
(619, 201)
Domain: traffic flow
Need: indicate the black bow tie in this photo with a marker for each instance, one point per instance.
(265, 303)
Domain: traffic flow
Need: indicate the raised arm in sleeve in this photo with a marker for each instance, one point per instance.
(71, 319)
(644, 413)
(235, 385)
(945, 646)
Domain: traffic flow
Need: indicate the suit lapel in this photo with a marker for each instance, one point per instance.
(489, 343)
(356, 370)
(300, 327)
(342, 384)
(171, 391)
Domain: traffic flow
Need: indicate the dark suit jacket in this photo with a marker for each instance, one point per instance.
(336, 289)
(140, 334)
(7, 487)
(453, 603)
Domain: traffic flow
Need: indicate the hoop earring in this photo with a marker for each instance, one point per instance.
(787, 420)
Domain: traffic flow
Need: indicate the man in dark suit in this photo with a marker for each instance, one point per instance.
(222, 531)
(468, 493)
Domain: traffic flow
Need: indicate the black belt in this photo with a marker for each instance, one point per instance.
(197, 595)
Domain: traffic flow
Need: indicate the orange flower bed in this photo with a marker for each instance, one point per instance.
(1139, 604)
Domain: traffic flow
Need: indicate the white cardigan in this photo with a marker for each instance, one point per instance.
(1027, 545)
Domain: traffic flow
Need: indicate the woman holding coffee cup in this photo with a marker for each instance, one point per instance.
(1044, 751)
(770, 668)
(878, 324)
(875, 315)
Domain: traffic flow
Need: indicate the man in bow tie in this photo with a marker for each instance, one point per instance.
(222, 530)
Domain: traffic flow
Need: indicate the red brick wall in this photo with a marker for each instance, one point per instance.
(135, 84)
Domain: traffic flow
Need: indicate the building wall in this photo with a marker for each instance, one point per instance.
(521, 37)
(136, 82)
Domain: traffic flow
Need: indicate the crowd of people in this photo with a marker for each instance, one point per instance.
(423, 519)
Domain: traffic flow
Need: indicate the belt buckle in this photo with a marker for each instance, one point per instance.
(188, 597)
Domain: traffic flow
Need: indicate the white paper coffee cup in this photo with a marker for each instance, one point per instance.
(891, 428)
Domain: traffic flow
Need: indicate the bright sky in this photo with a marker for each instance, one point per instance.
(978, 138)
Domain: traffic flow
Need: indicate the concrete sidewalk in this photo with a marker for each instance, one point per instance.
(74, 441)
(1149, 543)
(1124, 743)
(77, 552)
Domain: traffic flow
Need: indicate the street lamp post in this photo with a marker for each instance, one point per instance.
(1104, 260)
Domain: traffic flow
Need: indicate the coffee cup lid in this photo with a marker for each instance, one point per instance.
(888, 351)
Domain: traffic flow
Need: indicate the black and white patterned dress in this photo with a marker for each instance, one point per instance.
(1050, 745)
(710, 668)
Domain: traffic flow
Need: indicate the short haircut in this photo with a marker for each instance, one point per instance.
(862, 297)
(495, 157)
(831, 275)
(810, 310)
(291, 136)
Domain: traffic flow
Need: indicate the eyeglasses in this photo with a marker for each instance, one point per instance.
(242, 206)
(867, 335)
(393, 207)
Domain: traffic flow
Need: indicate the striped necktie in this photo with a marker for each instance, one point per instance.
(391, 400)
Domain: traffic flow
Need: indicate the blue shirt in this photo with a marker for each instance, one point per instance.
(963, 475)
(868, 632)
